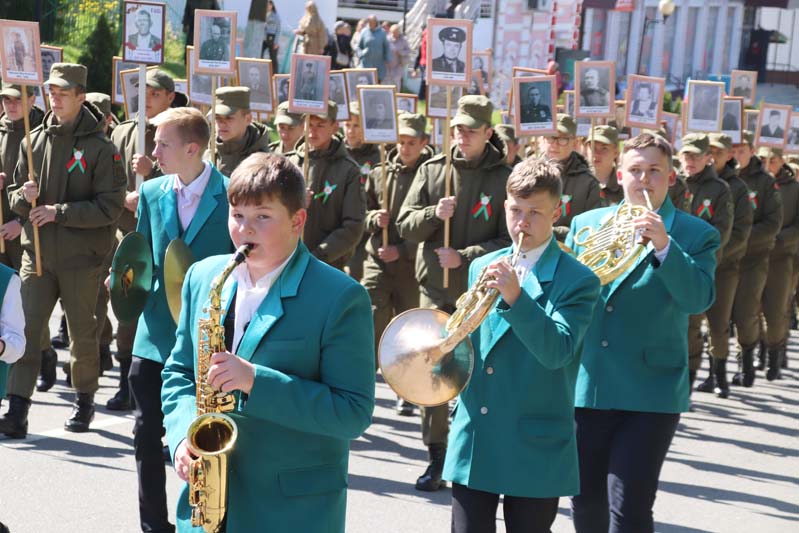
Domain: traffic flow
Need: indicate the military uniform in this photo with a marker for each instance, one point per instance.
(282, 116)
(368, 157)
(680, 196)
(214, 50)
(535, 113)
(594, 97)
(580, 192)
(444, 64)
(610, 192)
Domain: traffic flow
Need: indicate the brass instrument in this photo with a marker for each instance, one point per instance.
(615, 245)
(212, 435)
(426, 355)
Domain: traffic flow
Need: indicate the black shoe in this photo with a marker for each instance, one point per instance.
(82, 413)
(66, 368)
(431, 480)
(106, 362)
(761, 355)
(784, 358)
(722, 388)
(122, 400)
(404, 407)
(47, 372)
(14, 423)
(691, 379)
(773, 371)
(748, 365)
(708, 385)
(62, 339)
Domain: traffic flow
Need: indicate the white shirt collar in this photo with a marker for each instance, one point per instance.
(527, 260)
(196, 187)
(242, 276)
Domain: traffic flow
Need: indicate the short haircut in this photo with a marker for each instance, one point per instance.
(266, 175)
(189, 121)
(649, 140)
(534, 175)
(774, 112)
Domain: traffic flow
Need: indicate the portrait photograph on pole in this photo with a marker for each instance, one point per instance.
(535, 105)
(116, 86)
(407, 103)
(20, 52)
(215, 42)
(644, 96)
(359, 76)
(437, 101)
(792, 141)
(483, 62)
(743, 83)
(282, 85)
(772, 127)
(704, 106)
(144, 32)
(595, 85)
(378, 113)
(309, 90)
(256, 74)
(338, 93)
(732, 118)
(449, 51)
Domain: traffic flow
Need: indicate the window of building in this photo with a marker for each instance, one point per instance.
(690, 40)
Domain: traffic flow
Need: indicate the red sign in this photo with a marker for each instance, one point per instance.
(625, 5)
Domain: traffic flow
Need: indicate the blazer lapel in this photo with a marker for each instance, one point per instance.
(169, 209)
(208, 202)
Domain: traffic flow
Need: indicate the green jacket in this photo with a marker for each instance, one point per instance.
(711, 201)
(230, 154)
(477, 226)
(765, 198)
(338, 205)
(124, 138)
(611, 193)
(398, 180)
(787, 241)
(679, 195)
(743, 215)
(580, 192)
(88, 192)
(367, 156)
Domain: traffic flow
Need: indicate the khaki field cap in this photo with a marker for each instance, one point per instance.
(282, 116)
(412, 125)
(67, 75)
(13, 90)
(695, 143)
(332, 112)
(748, 137)
(721, 141)
(506, 132)
(567, 125)
(473, 111)
(767, 152)
(232, 99)
(606, 135)
(355, 108)
(158, 79)
(102, 101)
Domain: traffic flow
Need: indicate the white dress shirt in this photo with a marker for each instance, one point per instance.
(249, 296)
(188, 196)
(12, 322)
(527, 260)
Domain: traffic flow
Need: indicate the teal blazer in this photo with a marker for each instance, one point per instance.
(159, 223)
(635, 356)
(5, 277)
(311, 341)
(526, 361)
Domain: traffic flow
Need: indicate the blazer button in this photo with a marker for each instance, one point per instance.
(604, 344)
(490, 370)
(484, 410)
(609, 309)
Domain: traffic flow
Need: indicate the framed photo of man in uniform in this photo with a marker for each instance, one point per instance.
(772, 127)
(743, 83)
(476, 87)
(669, 122)
(199, 84)
(215, 41)
(130, 91)
(282, 86)
(116, 87)
(521, 72)
(144, 32)
(732, 117)
(256, 74)
(595, 86)
(378, 113)
(792, 142)
(437, 101)
(534, 108)
(483, 62)
(359, 76)
(50, 56)
(338, 93)
(406, 103)
(704, 106)
(20, 52)
(309, 92)
(449, 51)
(644, 94)
(751, 118)
(583, 124)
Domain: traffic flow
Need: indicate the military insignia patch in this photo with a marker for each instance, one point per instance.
(753, 199)
(705, 210)
(565, 205)
(482, 206)
(326, 192)
(76, 161)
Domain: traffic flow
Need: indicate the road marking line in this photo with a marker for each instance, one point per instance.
(61, 432)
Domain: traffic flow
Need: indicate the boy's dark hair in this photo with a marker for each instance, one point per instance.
(534, 175)
(649, 140)
(266, 175)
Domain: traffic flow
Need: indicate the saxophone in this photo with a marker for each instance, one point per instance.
(212, 435)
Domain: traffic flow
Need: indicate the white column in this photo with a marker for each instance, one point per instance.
(612, 38)
(699, 41)
(658, 47)
(636, 34)
(722, 27)
(736, 28)
(678, 53)
(588, 29)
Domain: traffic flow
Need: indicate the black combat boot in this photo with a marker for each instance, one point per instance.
(722, 388)
(15, 422)
(748, 367)
(761, 355)
(122, 400)
(404, 407)
(47, 372)
(82, 413)
(431, 480)
(784, 357)
(737, 378)
(774, 356)
(106, 362)
(62, 339)
(709, 383)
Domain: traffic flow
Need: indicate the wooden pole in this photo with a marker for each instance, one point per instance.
(593, 122)
(384, 188)
(29, 152)
(213, 119)
(306, 161)
(447, 174)
(141, 147)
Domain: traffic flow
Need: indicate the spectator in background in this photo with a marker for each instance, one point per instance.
(400, 55)
(342, 56)
(272, 34)
(312, 30)
(372, 47)
(386, 25)
(356, 61)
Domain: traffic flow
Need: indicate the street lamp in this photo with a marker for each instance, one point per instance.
(665, 8)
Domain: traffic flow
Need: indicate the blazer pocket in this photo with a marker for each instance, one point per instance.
(660, 358)
(315, 480)
(546, 431)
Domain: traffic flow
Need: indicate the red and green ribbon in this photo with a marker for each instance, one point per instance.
(753, 199)
(706, 209)
(482, 206)
(565, 205)
(326, 192)
(76, 161)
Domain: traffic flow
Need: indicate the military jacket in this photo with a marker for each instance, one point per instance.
(125, 138)
(580, 192)
(611, 193)
(743, 215)
(711, 201)
(787, 241)
(767, 203)
(230, 154)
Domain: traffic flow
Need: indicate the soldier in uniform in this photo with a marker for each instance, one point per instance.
(237, 135)
(289, 129)
(337, 204)
(604, 155)
(452, 39)
(215, 48)
(389, 271)
(767, 204)
(103, 103)
(507, 135)
(580, 186)
(591, 94)
(712, 202)
(779, 284)
(477, 226)
(719, 314)
(79, 187)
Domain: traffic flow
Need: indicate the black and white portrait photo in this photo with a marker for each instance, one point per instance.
(359, 76)
(215, 41)
(378, 114)
(199, 84)
(743, 83)
(644, 94)
(309, 88)
(752, 116)
(595, 85)
(437, 101)
(704, 106)
(534, 105)
(117, 96)
(256, 74)
(732, 118)
(792, 143)
(482, 61)
(669, 122)
(772, 127)
(20, 54)
(406, 103)
(144, 33)
(50, 56)
(281, 86)
(449, 51)
(130, 91)
(338, 94)
(583, 123)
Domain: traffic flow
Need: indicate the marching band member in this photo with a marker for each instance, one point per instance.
(633, 378)
(516, 416)
(300, 356)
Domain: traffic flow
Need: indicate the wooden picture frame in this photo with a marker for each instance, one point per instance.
(705, 103)
(670, 121)
(309, 92)
(20, 52)
(437, 101)
(338, 93)
(595, 89)
(644, 111)
(569, 105)
(355, 77)
(732, 109)
(116, 86)
(130, 85)
(743, 83)
(407, 103)
(281, 88)
(378, 113)
(486, 66)
(138, 47)
(792, 138)
(256, 75)
(766, 122)
(534, 113)
(449, 64)
(751, 118)
(215, 42)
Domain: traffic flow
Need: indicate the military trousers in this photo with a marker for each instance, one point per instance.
(776, 300)
(718, 318)
(77, 288)
(435, 420)
(125, 331)
(753, 271)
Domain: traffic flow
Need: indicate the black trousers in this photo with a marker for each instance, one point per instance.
(621, 454)
(475, 511)
(145, 387)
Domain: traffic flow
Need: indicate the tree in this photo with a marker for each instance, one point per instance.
(98, 57)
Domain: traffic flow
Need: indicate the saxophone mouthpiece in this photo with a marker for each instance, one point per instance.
(242, 252)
